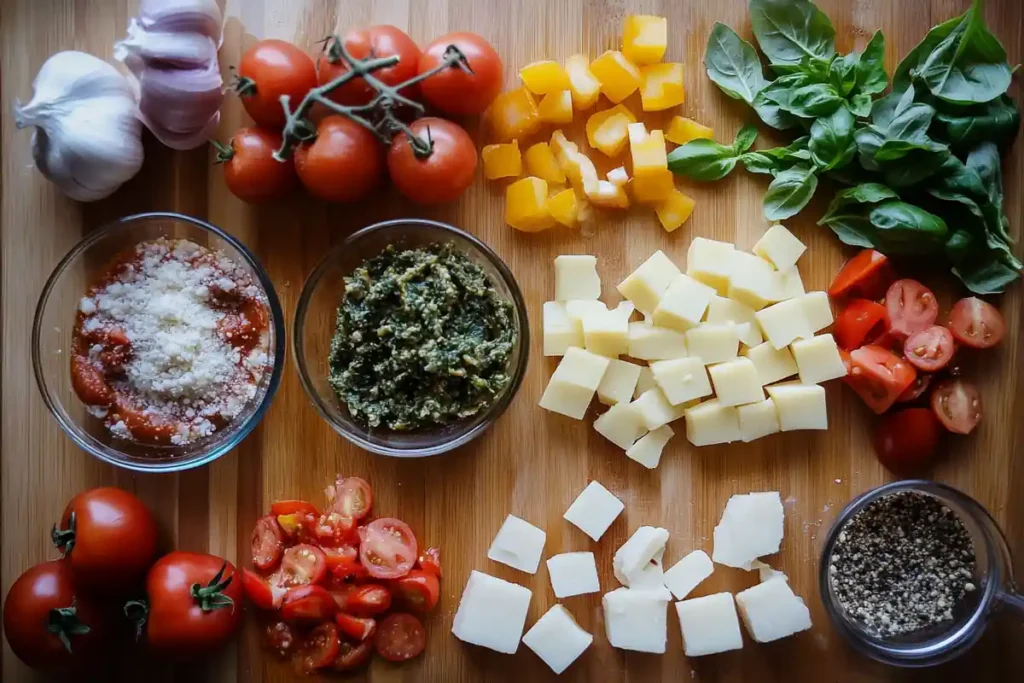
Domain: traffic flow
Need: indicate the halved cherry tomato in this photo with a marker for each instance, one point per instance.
(292, 507)
(906, 440)
(340, 595)
(387, 548)
(268, 70)
(368, 600)
(340, 555)
(430, 561)
(303, 564)
(265, 594)
(930, 349)
(858, 323)
(267, 543)
(957, 404)
(376, 42)
(280, 637)
(349, 570)
(915, 390)
(458, 91)
(866, 275)
(911, 307)
(308, 603)
(400, 637)
(419, 590)
(353, 656)
(878, 376)
(976, 323)
(356, 628)
(353, 498)
(320, 649)
(334, 529)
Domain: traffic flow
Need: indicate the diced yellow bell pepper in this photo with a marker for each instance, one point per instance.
(526, 205)
(514, 115)
(584, 85)
(578, 167)
(556, 107)
(647, 150)
(681, 130)
(661, 86)
(654, 188)
(618, 176)
(606, 130)
(541, 162)
(644, 38)
(674, 211)
(618, 76)
(609, 195)
(545, 76)
(563, 207)
(502, 161)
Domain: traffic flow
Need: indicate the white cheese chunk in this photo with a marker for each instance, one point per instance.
(637, 619)
(758, 420)
(618, 383)
(765, 572)
(647, 451)
(736, 382)
(779, 247)
(518, 544)
(655, 410)
(650, 342)
(683, 304)
(574, 382)
(560, 330)
(624, 309)
(634, 555)
(594, 510)
(800, 406)
(771, 611)
(576, 278)
(681, 379)
(818, 359)
(687, 573)
(709, 625)
(605, 333)
(578, 309)
(790, 283)
(710, 262)
(646, 284)
(710, 423)
(557, 639)
(492, 613)
(817, 309)
(752, 281)
(645, 382)
(751, 527)
(784, 322)
(723, 310)
(622, 424)
(652, 576)
(573, 574)
(713, 343)
(772, 364)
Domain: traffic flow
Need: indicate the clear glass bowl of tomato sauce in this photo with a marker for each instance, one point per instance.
(53, 342)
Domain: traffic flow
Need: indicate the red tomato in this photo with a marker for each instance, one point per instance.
(341, 594)
(250, 170)
(49, 625)
(280, 637)
(458, 91)
(195, 604)
(265, 594)
(292, 507)
(906, 441)
(911, 307)
(368, 600)
(419, 590)
(400, 637)
(915, 390)
(343, 163)
(298, 527)
(859, 322)
(267, 543)
(308, 603)
(303, 564)
(387, 548)
(878, 376)
(957, 404)
(320, 649)
(376, 42)
(340, 555)
(866, 275)
(445, 174)
(356, 628)
(430, 561)
(976, 323)
(930, 349)
(353, 656)
(353, 498)
(349, 569)
(269, 69)
(334, 529)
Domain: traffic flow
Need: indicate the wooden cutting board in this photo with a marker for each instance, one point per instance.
(532, 463)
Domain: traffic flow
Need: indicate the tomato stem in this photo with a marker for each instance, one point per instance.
(137, 612)
(224, 152)
(64, 539)
(211, 596)
(63, 622)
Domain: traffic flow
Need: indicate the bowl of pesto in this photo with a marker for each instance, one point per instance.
(411, 338)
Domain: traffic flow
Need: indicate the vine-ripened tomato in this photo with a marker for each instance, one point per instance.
(860, 321)
(303, 564)
(430, 561)
(930, 349)
(867, 275)
(250, 170)
(440, 177)
(976, 323)
(368, 600)
(353, 497)
(356, 628)
(343, 163)
(878, 376)
(320, 648)
(269, 69)
(108, 537)
(308, 603)
(387, 548)
(910, 307)
(957, 404)
(375, 41)
(353, 656)
(50, 625)
(400, 637)
(455, 91)
(280, 637)
(905, 441)
(267, 543)
(419, 590)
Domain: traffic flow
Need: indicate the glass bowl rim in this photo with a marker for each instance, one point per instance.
(276, 316)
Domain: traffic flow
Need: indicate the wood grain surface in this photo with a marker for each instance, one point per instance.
(532, 463)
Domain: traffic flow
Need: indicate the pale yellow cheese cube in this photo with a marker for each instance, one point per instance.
(574, 382)
(646, 284)
(790, 283)
(644, 382)
(818, 359)
(772, 364)
(605, 333)
(725, 310)
(736, 382)
(817, 309)
(655, 409)
(576, 277)
(683, 304)
(618, 383)
(779, 247)
(713, 343)
(650, 342)
(753, 281)
(621, 424)
(710, 261)
(560, 330)
(567, 399)
(578, 309)
(624, 309)
(647, 451)
(747, 331)
(800, 406)
(758, 419)
(784, 322)
(711, 423)
(681, 379)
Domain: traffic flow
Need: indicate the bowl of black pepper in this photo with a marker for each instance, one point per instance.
(411, 338)
(912, 571)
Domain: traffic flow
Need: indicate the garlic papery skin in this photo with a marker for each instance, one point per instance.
(87, 138)
(189, 50)
(183, 16)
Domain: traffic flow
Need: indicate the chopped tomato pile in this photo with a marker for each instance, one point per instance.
(339, 585)
(894, 347)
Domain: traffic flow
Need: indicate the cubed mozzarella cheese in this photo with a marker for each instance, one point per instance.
(710, 262)
(751, 527)
(779, 247)
(817, 309)
(646, 284)
(687, 573)
(557, 639)
(636, 553)
(790, 283)
(650, 342)
(645, 382)
(652, 576)
(618, 383)
(647, 451)
(624, 310)
(492, 613)
(681, 379)
(818, 359)
(771, 610)
(578, 309)
(713, 343)
(724, 310)
(683, 304)
(800, 406)
(766, 573)
(518, 544)
(560, 330)
(758, 419)
(784, 322)
(574, 382)
(637, 619)
(622, 424)
(710, 423)
(573, 574)
(576, 278)
(566, 399)
(605, 333)
(594, 510)
(736, 382)
(709, 625)
(772, 364)
(655, 410)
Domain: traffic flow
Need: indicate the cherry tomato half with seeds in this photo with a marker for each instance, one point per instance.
(353, 498)
(916, 389)
(878, 376)
(340, 595)
(267, 543)
(266, 594)
(368, 600)
(400, 637)
(911, 307)
(320, 649)
(430, 561)
(292, 507)
(957, 404)
(907, 440)
(269, 69)
(303, 564)
(362, 43)
(343, 164)
(458, 91)
(334, 529)
(353, 656)
(356, 628)
(867, 275)
(387, 548)
(308, 603)
(930, 349)
(445, 174)
(280, 638)
(861, 321)
(976, 323)
(419, 590)
(250, 170)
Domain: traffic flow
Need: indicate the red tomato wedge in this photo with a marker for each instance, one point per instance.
(341, 594)
(368, 600)
(930, 349)
(292, 507)
(976, 323)
(419, 590)
(353, 656)
(911, 307)
(387, 548)
(267, 543)
(320, 648)
(280, 637)
(917, 389)
(400, 637)
(356, 628)
(861, 321)
(308, 603)
(341, 555)
(303, 564)
(353, 498)
(866, 275)
(430, 561)
(334, 529)
(957, 404)
(265, 594)
(878, 376)
(906, 441)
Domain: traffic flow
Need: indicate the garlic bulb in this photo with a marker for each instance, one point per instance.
(87, 139)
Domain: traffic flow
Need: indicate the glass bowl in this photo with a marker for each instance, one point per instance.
(315, 325)
(54, 322)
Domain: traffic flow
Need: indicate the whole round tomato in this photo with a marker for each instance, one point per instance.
(376, 41)
(195, 604)
(48, 624)
(343, 163)
(440, 177)
(269, 69)
(906, 441)
(455, 90)
(250, 169)
(108, 538)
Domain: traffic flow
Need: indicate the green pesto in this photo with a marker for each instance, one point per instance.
(422, 339)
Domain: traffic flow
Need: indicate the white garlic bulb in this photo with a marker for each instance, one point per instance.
(87, 138)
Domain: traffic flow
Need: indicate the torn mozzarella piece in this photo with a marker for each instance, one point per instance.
(637, 618)
(736, 382)
(518, 544)
(800, 406)
(724, 310)
(557, 639)
(683, 304)
(772, 364)
(688, 573)
(492, 613)
(573, 574)
(709, 625)
(594, 510)
(574, 382)
(636, 553)
(682, 379)
(758, 420)
(784, 322)
(710, 262)
(713, 343)
(751, 527)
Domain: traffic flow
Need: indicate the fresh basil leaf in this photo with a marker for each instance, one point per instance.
(984, 160)
(871, 78)
(732, 64)
(854, 230)
(987, 276)
(789, 30)
(703, 160)
(756, 162)
(960, 183)
(813, 101)
(964, 127)
(860, 105)
(842, 74)
(906, 228)
(959, 246)
(865, 193)
(902, 77)
(832, 144)
(772, 114)
(798, 150)
(789, 192)
(744, 139)
(917, 166)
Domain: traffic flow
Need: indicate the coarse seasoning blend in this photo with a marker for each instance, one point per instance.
(422, 339)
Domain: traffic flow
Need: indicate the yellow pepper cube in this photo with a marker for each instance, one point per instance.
(526, 205)
(618, 76)
(578, 167)
(556, 107)
(661, 86)
(583, 84)
(541, 162)
(644, 38)
(514, 115)
(543, 77)
(607, 129)
(681, 130)
(674, 211)
(647, 150)
(654, 188)
(502, 161)
(564, 208)
(609, 195)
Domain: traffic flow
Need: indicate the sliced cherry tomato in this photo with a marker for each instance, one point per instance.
(353, 656)
(400, 637)
(280, 637)
(907, 440)
(297, 527)
(303, 564)
(911, 307)
(859, 322)
(866, 275)
(369, 600)
(353, 498)
(445, 174)
(292, 507)
(265, 594)
(387, 548)
(334, 529)
(308, 603)
(349, 570)
(430, 561)
(419, 590)
(957, 404)
(376, 42)
(459, 91)
(356, 628)
(340, 595)
(340, 555)
(343, 163)
(976, 323)
(320, 648)
(930, 349)
(268, 70)
(916, 389)
(878, 376)
(267, 543)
